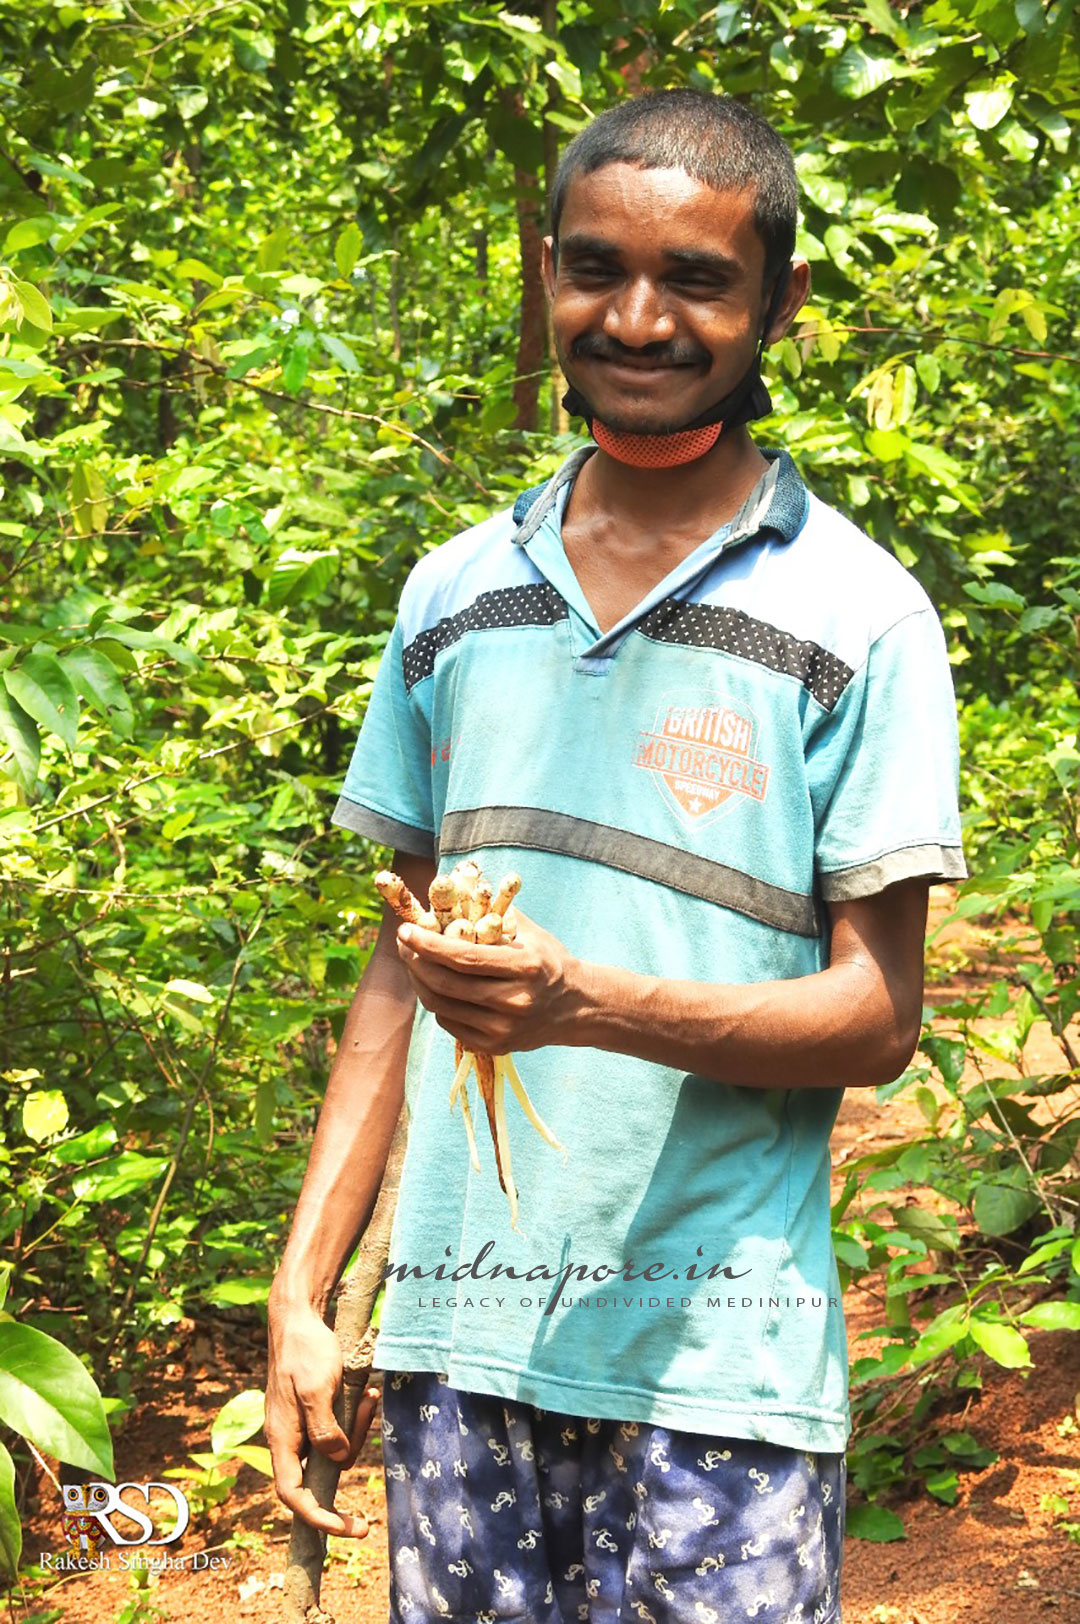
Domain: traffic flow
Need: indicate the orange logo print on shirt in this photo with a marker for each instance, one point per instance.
(702, 755)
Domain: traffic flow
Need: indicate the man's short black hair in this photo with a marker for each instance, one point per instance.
(714, 138)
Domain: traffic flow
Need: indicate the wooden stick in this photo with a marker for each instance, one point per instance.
(352, 1327)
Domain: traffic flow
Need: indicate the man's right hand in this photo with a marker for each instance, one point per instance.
(303, 1380)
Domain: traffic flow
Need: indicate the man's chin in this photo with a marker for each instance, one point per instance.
(640, 423)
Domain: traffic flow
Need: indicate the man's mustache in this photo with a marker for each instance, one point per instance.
(598, 347)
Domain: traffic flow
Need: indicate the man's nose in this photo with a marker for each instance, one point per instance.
(637, 315)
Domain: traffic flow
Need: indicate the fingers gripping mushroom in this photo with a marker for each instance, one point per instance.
(464, 907)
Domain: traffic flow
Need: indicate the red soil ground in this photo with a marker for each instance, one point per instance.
(999, 1556)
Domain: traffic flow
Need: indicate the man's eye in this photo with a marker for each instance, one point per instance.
(702, 285)
(592, 273)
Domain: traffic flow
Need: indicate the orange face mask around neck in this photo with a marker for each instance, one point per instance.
(656, 450)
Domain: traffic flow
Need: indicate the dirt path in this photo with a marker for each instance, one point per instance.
(994, 1558)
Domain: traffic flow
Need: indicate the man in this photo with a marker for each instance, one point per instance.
(711, 725)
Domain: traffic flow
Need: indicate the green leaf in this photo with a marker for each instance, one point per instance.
(1037, 617)
(517, 138)
(1058, 1316)
(191, 101)
(850, 1252)
(1003, 1344)
(929, 370)
(859, 72)
(19, 736)
(785, 64)
(255, 1455)
(994, 594)
(1001, 1208)
(240, 1293)
(190, 989)
(95, 680)
(43, 689)
(874, 1523)
(969, 1451)
(880, 401)
(730, 21)
(1019, 142)
(10, 1527)
(88, 498)
(340, 352)
(34, 305)
(265, 1105)
(298, 574)
(937, 1230)
(44, 1112)
(1054, 126)
(110, 632)
(988, 104)
(905, 393)
(347, 249)
(826, 192)
(294, 367)
(48, 1396)
(126, 1172)
(1045, 1253)
(240, 1419)
(1035, 322)
(937, 462)
(28, 233)
(566, 76)
(944, 1485)
(944, 1332)
(86, 1146)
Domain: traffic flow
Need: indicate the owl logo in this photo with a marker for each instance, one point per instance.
(83, 1505)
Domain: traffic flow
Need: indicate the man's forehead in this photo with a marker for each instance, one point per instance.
(646, 199)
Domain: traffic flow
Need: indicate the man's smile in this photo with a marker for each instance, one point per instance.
(652, 359)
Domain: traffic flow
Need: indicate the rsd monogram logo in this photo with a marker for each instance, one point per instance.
(90, 1507)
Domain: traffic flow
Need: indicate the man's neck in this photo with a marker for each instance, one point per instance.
(698, 496)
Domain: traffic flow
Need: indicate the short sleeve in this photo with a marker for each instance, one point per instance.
(884, 778)
(387, 789)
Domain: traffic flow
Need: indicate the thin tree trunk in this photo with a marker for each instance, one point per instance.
(394, 294)
(352, 1327)
(559, 420)
(532, 329)
(532, 323)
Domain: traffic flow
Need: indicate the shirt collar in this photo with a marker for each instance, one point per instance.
(777, 505)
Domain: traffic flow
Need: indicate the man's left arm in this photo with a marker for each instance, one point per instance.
(854, 1023)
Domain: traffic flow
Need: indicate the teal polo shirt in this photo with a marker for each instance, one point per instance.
(772, 727)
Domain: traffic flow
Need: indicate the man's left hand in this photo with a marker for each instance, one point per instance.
(496, 1000)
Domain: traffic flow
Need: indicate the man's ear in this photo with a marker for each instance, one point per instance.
(548, 266)
(795, 296)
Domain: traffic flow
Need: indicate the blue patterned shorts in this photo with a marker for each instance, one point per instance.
(499, 1513)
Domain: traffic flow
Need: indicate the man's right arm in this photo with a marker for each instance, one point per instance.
(352, 1141)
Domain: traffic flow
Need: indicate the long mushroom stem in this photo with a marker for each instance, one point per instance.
(502, 1142)
(505, 1063)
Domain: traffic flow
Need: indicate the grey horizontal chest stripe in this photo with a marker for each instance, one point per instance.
(537, 604)
(707, 625)
(537, 830)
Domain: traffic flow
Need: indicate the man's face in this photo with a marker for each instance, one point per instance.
(658, 299)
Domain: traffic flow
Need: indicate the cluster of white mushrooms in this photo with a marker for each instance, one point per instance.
(464, 907)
